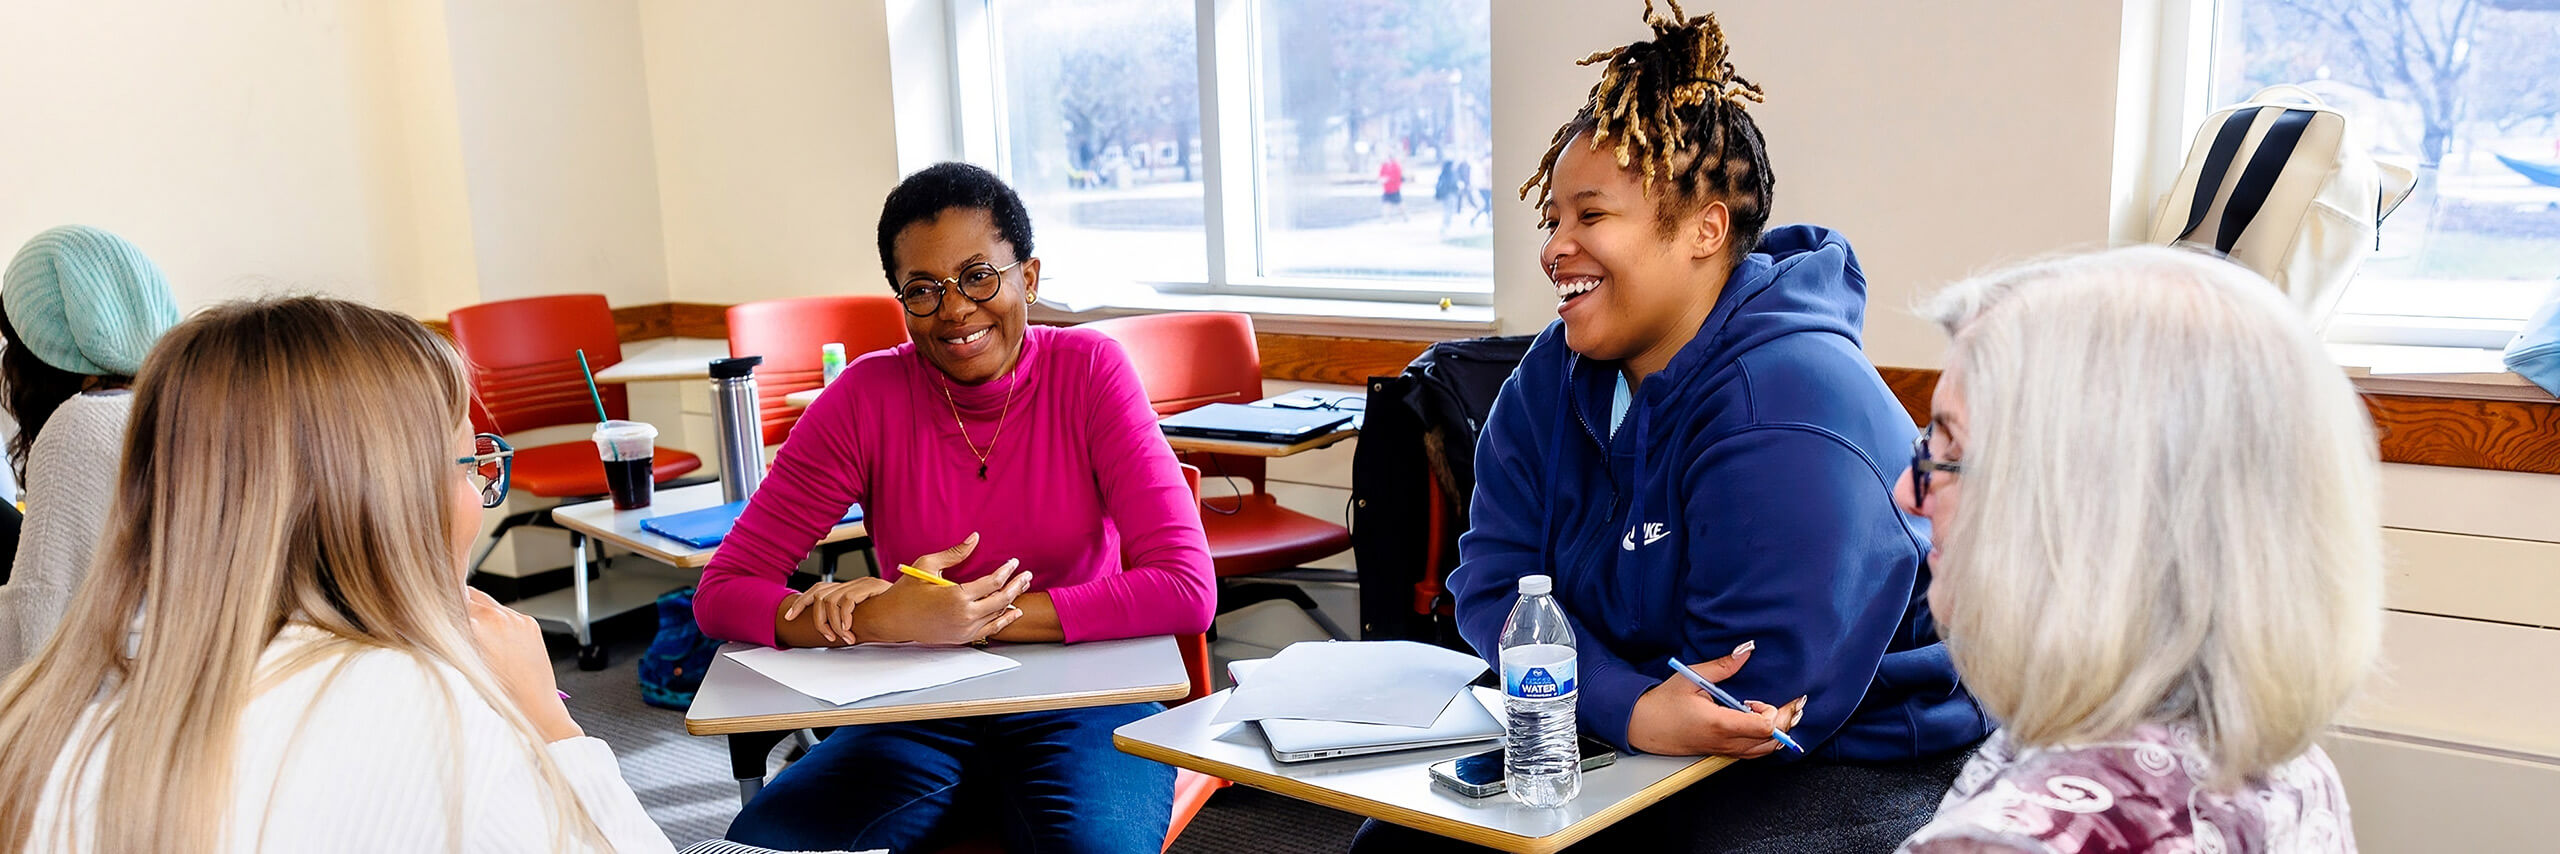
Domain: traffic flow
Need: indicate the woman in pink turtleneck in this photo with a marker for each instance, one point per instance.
(1020, 461)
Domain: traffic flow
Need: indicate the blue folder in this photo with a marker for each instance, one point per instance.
(706, 527)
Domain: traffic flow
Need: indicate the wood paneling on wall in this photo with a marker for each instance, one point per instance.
(2501, 435)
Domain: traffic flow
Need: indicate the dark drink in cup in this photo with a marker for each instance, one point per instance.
(631, 482)
(627, 449)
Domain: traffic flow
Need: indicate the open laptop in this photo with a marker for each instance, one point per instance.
(1291, 740)
(1254, 423)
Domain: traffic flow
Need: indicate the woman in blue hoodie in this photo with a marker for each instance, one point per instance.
(1703, 460)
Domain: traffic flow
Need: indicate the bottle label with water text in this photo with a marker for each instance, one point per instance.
(1538, 681)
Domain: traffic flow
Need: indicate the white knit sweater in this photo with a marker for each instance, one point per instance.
(392, 756)
(71, 483)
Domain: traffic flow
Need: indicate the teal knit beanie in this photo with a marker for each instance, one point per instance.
(87, 301)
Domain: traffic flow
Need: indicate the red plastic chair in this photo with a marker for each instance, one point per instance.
(1191, 789)
(1189, 360)
(523, 355)
(788, 334)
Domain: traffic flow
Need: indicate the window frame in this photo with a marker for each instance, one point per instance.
(1231, 110)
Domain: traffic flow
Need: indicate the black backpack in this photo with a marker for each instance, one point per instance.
(1411, 479)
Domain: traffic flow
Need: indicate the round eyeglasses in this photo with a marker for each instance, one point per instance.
(979, 282)
(491, 467)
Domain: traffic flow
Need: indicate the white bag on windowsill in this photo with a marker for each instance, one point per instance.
(2281, 185)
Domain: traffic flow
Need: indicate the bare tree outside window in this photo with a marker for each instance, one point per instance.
(1376, 139)
(2467, 89)
(1370, 142)
(1102, 130)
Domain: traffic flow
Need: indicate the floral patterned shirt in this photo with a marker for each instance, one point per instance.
(2141, 793)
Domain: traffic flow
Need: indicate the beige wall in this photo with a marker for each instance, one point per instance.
(417, 154)
(557, 152)
(775, 145)
(419, 123)
(244, 146)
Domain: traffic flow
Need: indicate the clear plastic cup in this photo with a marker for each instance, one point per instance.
(628, 449)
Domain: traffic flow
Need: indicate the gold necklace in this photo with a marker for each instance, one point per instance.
(964, 426)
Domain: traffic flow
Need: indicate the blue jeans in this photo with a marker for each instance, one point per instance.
(1043, 781)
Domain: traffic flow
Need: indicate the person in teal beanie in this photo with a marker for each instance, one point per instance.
(79, 307)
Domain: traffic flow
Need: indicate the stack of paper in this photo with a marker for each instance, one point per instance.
(1400, 683)
(855, 673)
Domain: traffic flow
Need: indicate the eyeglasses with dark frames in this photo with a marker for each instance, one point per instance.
(979, 282)
(492, 467)
(1922, 465)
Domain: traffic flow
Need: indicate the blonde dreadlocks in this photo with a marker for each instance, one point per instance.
(1674, 107)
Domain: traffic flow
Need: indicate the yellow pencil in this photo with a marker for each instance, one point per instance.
(913, 572)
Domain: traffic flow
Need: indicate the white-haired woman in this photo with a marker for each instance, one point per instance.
(2158, 557)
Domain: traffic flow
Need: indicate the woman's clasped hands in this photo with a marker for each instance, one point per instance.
(915, 610)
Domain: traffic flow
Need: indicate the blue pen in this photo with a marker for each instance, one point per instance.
(1727, 701)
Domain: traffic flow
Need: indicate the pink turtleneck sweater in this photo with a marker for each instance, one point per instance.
(1080, 486)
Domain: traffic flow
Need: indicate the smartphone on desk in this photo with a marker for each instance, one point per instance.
(1480, 775)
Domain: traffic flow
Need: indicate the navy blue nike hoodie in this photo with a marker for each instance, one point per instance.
(1747, 496)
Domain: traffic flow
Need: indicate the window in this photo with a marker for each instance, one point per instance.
(2467, 89)
(1333, 149)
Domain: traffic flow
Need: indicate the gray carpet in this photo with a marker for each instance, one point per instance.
(1242, 819)
(684, 781)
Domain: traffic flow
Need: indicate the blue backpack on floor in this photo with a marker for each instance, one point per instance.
(671, 671)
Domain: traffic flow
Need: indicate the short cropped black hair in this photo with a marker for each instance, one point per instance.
(923, 196)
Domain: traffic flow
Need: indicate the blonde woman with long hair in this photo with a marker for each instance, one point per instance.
(2158, 557)
(277, 652)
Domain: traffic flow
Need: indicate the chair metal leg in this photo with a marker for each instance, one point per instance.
(590, 654)
(747, 753)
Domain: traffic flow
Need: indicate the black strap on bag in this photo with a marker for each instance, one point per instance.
(2217, 163)
(2265, 166)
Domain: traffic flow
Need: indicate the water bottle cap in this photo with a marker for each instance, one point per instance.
(730, 369)
(1536, 585)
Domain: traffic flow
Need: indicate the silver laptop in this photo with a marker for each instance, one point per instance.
(1292, 740)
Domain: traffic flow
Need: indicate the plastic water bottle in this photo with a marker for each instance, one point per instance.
(830, 362)
(1540, 756)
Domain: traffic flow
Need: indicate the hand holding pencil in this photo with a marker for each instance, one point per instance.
(1685, 716)
(923, 606)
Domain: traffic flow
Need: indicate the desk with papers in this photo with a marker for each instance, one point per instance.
(1207, 736)
(752, 708)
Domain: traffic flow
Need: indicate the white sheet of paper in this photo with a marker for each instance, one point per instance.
(1401, 683)
(855, 673)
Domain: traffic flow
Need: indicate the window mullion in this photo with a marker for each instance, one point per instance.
(977, 84)
(1229, 193)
